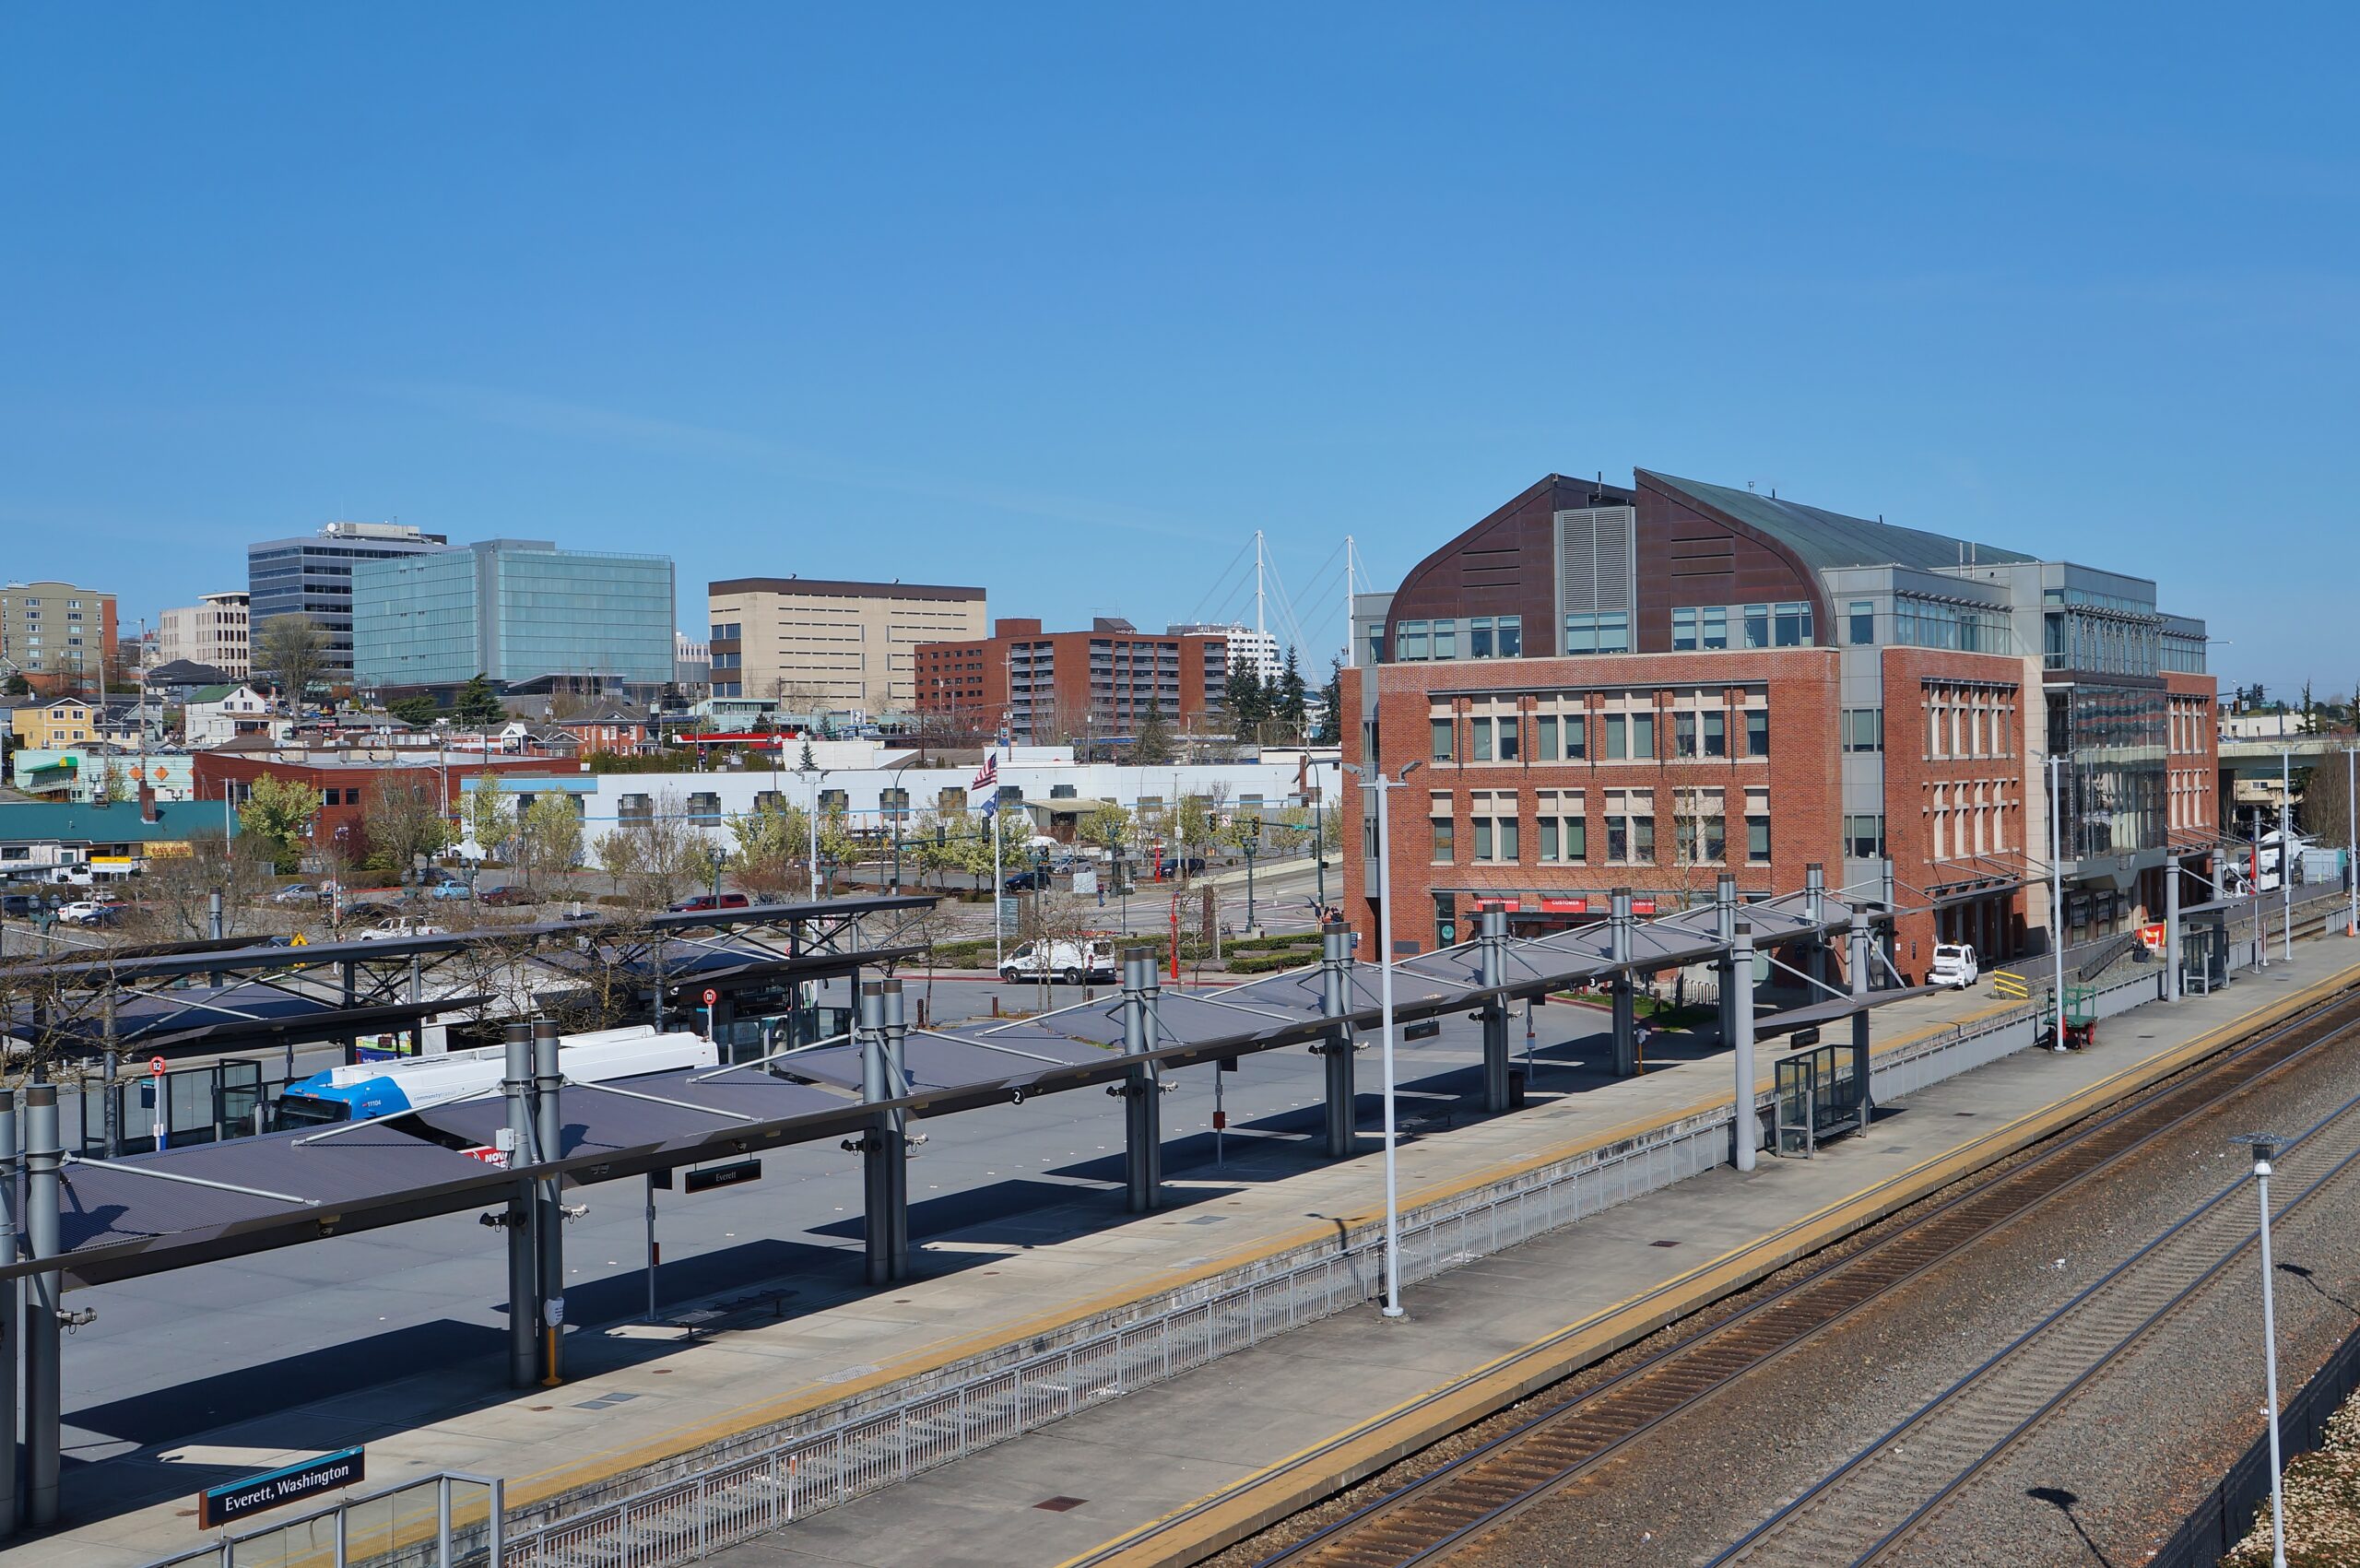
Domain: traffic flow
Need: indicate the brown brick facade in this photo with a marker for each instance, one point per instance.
(1794, 689)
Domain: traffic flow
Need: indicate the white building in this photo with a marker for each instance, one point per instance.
(1258, 650)
(218, 714)
(213, 633)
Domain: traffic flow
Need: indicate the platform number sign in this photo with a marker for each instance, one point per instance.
(156, 1066)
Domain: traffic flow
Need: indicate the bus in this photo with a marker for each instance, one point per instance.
(368, 1089)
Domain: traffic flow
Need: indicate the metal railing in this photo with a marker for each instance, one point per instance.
(449, 1520)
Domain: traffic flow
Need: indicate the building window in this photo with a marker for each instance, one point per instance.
(1603, 633)
(1564, 832)
(1410, 639)
(1716, 734)
(1617, 737)
(1864, 729)
(704, 807)
(1757, 827)
(1511, 636)
(1544, 738)
(1440, 729)
(1495, 826)
(1479, 637)
(1479, 740)
(953, 802)
(1643, 734)
(894, 803)
(1757, 625)
(1683, 735)
(1511, 735)
(1757, 732)
(1699, 826)
(1445, 639)
(1444, 829)
(1576, 737)
(1631, 827)
(1793, 625)
(1864, 837)
(1684, 629)
(1864, 622)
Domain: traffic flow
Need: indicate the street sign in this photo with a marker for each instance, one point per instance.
(729, 1176)
(157, 1066)
(220, 1505)
(711, 995)
(1803, 1037)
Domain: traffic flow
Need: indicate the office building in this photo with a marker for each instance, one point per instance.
(1256, 652)
(1649, 686)
(313, 576)
(521, 611)
(1051, 687)
(816, 645)
(211, 632)
(57, 636)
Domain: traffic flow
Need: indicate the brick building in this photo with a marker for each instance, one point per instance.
(344, 782)
(1046, 686)
(1649, 686)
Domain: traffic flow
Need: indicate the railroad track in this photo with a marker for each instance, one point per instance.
(1431, 1515)
(1862, 1510)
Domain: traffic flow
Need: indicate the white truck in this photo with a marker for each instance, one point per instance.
(1071, 959)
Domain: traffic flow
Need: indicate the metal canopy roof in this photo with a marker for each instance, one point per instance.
(127, 1221)
(219, 1018)
(1834, 1009)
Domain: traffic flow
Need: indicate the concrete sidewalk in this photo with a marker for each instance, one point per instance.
(641, 1397)
(1177, 1470)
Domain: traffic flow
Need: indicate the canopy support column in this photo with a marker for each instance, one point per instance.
(884, 1157)
(523, 1285)
(1747, 1126)
(2173, 974)
(1494, 940)
(44, 1371)
(1142, 1092)
(1725, 927)
(1626, 1018)
(1859, 965)
(1335, 1051)
(549, 1213)
(12, 1313)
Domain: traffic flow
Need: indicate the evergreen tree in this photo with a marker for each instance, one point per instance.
(1153, 742)
(1293, 705)
(1331, 719)
(1243, 698)
(807, 764)
(478, 706)
(419, 711)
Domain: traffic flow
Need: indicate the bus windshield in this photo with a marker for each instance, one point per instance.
(303, 1111)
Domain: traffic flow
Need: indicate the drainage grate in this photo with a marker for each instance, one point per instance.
(1060, 1504)
(1663, 1244)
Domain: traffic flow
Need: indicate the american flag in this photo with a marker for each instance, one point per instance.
(987, 776)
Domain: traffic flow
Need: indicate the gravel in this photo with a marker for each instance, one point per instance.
(1701, 1479)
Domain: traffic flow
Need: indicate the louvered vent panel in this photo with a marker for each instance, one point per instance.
(1594, 558)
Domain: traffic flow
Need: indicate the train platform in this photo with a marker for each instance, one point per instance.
(1208, 1456)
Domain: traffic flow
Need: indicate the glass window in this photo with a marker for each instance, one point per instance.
(1683, 630)
(1683, 735)
(1509, 735)
(1864, 837)
(1511, 636)
(1548, 840)
(1863, 730)
(1445, 639)
(1757, 840)
(1618, 741)
(1441, 731)
(1442, 828)
(1479, 637)
(1643, 735)
(1544, 738)
(1713, 627)
(1483, 838)
(1716, 734)
(1479, 740)
(1793, 625)
(1576, 736)
(1757, 732)
(1603, 633)
(1757, 625)
(1412, 636)
(1864, 621)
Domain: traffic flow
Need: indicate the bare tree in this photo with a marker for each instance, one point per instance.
(178, 888)
(295, 650)
(651, 860)
(404, 821)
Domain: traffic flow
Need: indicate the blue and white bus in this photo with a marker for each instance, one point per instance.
(386, 1088)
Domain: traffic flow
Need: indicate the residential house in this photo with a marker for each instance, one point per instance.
(51, 726)
(217, 714)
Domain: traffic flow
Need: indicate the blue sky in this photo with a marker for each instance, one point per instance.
(1069, 300)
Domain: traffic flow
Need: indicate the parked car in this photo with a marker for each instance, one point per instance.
(1954, 966)
(93, 911)
(1025, 882)
(24, 906)
(447, 890)
(439, 876)
(711, 900)
(1171, 865)
(515, 895)
(297, 892)
(399, 926)
(1059, 957)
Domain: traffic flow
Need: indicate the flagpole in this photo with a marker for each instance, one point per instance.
(991, 825)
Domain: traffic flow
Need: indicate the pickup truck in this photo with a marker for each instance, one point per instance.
(1058, 957)
(399, 926)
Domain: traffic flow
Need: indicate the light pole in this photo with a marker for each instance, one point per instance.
(1385, 789)
(2056, 888)
(2287, 850)
(2265, 1147)
(2352, 841)
(811, 820)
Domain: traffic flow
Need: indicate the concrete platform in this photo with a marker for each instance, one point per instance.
(1236, 1440)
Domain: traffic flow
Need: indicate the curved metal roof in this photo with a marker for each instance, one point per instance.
(1824, 539)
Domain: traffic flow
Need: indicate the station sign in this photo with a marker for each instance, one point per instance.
(220, 1505)
(2153, 937)
(733, 1175)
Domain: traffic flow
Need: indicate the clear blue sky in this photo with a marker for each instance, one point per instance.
(1069, 300)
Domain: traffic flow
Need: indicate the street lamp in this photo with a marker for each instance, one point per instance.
(2265, 1147)
(811, 818)
(1384, 787)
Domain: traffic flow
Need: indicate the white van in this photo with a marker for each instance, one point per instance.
(1060, 958)
(1954, 966)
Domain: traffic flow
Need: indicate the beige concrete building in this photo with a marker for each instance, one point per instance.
(815, 643)
(213, 633)
(56, 635)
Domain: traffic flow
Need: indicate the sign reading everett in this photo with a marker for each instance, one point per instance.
(330, 1473)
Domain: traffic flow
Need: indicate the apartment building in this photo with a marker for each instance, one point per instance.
(1049, 686)
(213, 633)
(816, 644)
(1651, 685)
(56, 635)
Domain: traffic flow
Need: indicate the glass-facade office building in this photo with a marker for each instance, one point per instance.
(517, 611)
(313, 576)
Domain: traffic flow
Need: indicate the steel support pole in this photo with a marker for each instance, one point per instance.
(12, 1311)
(1724, 967)
(2286, 849)
(1492, 924)
(1860, 964)
(110, 1101)
(883, 1160)
(44, 1379)
(524, 1290)
(1142, 1093)
(548, 1220)
(2269, 1363)
(1815, 909)
(1335, 1051)
(897, 1167)
(1747, 1129)
(2173, 978)
(2057, 893)
(1626, 1020)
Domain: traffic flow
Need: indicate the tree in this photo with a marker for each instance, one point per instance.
(1293, 697)
(491, 820)
(1331, 700)
(1242, 699)
(279, 812)
(403, 818)
(807, 764)
(2326, 812)
(295, 650)
(17, 684)
(1108, 827)
(549, 835)
(767, 859)
(1152, 744)
(417, 711)
(655, 859)
(180, 888)
(478, 706)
